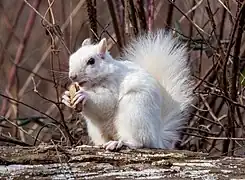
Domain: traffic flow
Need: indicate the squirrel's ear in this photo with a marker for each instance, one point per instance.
(102, 46)
(86, 42)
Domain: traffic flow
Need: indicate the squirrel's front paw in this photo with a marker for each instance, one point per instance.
(66, 99)
(80, 97)
(77, 102)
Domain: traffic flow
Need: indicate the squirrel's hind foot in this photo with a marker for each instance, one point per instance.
(118, 145)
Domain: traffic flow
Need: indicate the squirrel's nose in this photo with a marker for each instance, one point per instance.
(73, 76)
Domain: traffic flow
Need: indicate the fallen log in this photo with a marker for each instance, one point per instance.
(88, 162)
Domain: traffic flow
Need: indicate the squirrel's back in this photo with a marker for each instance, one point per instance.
(165, 58)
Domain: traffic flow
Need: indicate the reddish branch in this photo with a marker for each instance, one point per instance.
(115, 23)
(132, 17)
(235, 71)
(20, 51)
(91, 9)
(150, 14)
(170, 14)
(141, 14)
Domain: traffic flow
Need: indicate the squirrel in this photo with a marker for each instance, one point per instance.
(141, 99)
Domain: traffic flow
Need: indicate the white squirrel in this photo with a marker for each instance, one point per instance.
(139, 101)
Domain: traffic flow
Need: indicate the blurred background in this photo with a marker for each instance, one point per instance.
(37, 37)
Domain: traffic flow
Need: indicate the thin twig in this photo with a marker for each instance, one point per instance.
(115, 23)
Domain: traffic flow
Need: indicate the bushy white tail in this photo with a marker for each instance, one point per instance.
(165, 58)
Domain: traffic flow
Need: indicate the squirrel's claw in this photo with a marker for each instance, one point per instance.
(66, 103)
(80, 97)
(113, 145)
(66, 99)
(117, 145)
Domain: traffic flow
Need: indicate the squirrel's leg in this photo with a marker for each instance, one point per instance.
(137, 125)
(98, 109)
(95, 133)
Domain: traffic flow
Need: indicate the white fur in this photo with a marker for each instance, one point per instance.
(142, 100)
(165, 58)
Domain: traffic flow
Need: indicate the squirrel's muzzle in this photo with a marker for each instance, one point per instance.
(73, 77)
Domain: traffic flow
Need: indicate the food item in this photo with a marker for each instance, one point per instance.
(73, 89)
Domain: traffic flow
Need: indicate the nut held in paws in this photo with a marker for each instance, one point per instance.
(73, 89)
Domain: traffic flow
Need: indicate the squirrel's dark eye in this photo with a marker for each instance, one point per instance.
(91, 61)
